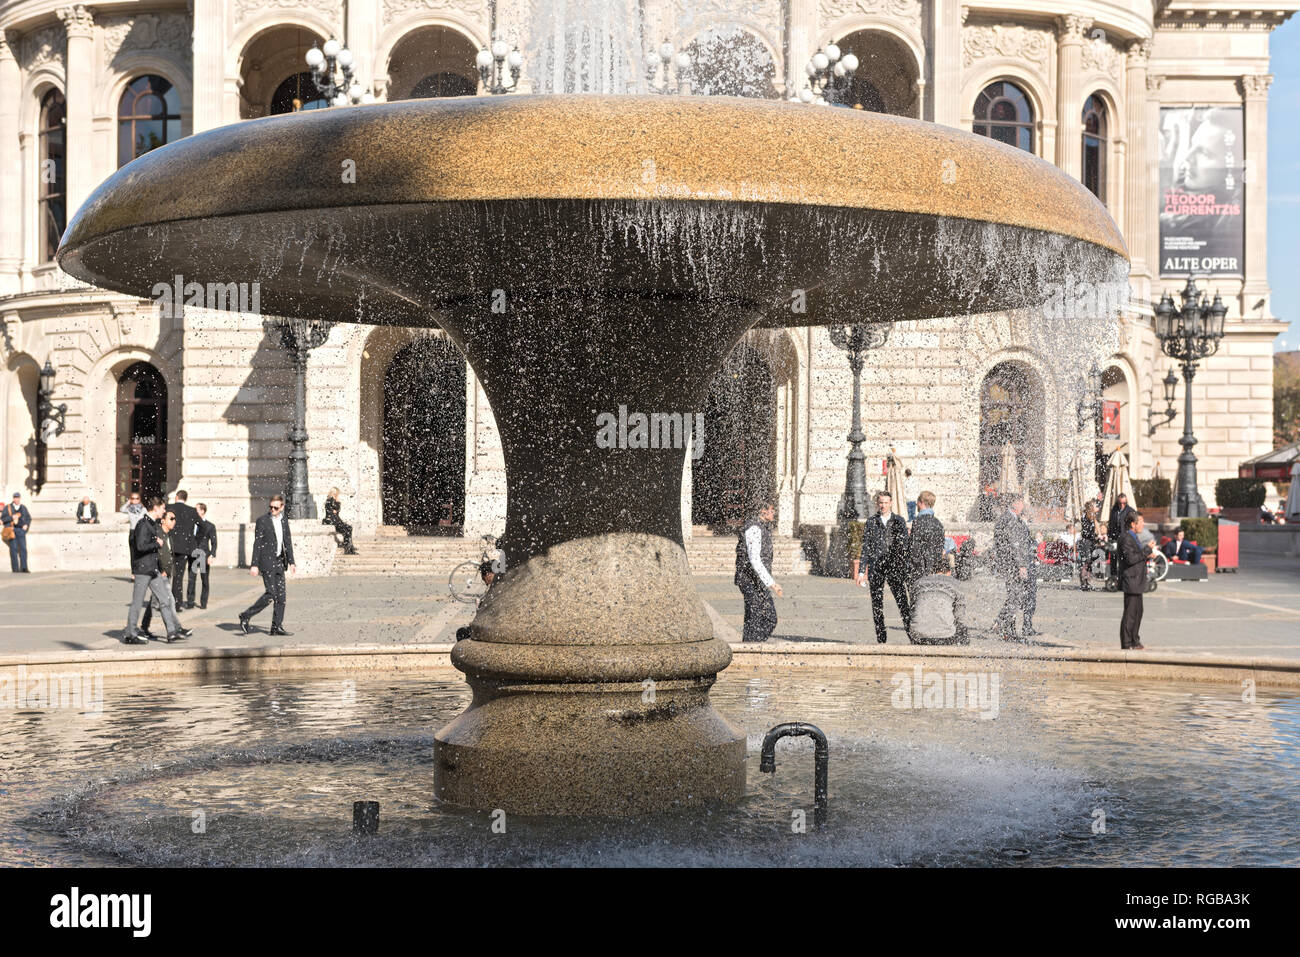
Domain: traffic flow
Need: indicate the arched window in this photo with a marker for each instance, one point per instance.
(728, 60)
(299, 92)
(863, 95)
(1013, 409)
(148, 116)
(1003, 113)
(444, 84)
(1094, 146)
(52, 193)
(141, 432)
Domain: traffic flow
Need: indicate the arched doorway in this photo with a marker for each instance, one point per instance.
(735, 471)
(432, 61)
(272, 68)
(1013, 408)
(424, 437)
(885, 80)
(728, 60)
(141, 432)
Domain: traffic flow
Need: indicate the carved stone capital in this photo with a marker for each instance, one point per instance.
(1154, 82)
(7, 37)
(1139, 53)
(1254, 86)
(1072, 28)
(77, 21)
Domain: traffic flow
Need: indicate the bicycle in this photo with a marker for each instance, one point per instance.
(1105, 566)
(466, 580)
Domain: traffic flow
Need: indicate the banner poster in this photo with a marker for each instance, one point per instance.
(1202, 191)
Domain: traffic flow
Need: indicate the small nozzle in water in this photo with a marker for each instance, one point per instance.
(365, 817)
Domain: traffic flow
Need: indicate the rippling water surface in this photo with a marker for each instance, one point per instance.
(264, 771)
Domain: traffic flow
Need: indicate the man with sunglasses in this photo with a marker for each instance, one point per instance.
(272, 555)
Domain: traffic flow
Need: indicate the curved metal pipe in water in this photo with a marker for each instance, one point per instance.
(821, 761)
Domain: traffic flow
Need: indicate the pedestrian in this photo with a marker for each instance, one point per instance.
(87, 513)
(272, 555)
(939, 610)
(133, 509)
(884, 561)
(332, 506)
(184, 543)
(1012, 544)
(147, 544)
(205, 550)
(925, 544)
(1133, 582)
(15, 521)
(1031, 586)
(753, 574)
(1089, 536)
(1118, 518)
(168, 563)
(910, 486)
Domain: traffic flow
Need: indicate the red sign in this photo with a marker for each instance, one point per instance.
(1110, 418)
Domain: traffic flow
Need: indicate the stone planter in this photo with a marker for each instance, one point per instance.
(1209, 559)
(1246, 516)
(1155, 516)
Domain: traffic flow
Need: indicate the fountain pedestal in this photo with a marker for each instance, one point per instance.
(592, 660)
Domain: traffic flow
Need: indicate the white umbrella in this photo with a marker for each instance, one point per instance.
(1117, 483)
(1293, 496)
(1008, 474)
(894, 483)
(1078, 485)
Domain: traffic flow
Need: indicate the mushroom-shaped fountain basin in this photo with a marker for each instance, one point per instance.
(587, 253)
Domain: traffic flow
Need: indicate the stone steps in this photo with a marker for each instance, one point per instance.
(437, 556)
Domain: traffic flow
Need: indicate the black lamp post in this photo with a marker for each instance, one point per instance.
(829, 76)
(331, 71)
(299, 337)
(666, 61)
(856, 340)
(1188, 335)
(51, 416)
(493, 62)
(1170, 413)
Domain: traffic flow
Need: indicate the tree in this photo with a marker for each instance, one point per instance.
(1286, 398)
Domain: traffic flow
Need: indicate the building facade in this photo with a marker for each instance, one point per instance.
(203, 399)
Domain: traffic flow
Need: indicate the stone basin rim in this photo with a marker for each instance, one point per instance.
(593, 147)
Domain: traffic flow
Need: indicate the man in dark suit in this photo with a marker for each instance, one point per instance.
(206, 540)
(1012, 546)
(884, 560)
(1119, 515)
(1133, 582)
(754, 574)
(184, 542)
(272, 555)
(925, 546)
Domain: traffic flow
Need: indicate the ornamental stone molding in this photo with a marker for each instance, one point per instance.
(1010, 40)
(1154, 82)
(1255, 85)
(77, 21)
(694, 16)
(1102, 56)
(904, 11)
(1072, 28)
(168, 32)
(245, 10)
(474, 11)
(6, 38)
(43, 46)
(1139, 52)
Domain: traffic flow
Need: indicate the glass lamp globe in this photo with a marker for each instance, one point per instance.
(515, 59)
(821, 61)
(665, 50)
(806, 96)
(683, 61)
(315, 58)
(484, 59)
(332, 47)
(345, 58)
(833, 52)
(850, 62)
(499, 49)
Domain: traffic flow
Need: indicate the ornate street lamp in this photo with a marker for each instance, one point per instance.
(679, 62)
(51, 416)
(298, 337)
(829, 76)
(1188, 335)
(331, 71)
(493, 62)
(1170, 413)
(856, 340)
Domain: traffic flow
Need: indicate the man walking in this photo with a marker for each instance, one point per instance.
(883, 560)
(184, 542)
(167, 562)
(146, 543)
(15, 520)
(753, 577)
(272, 554)
(205, 550)
(1012, 544)
(1133, 582)
(925, 546)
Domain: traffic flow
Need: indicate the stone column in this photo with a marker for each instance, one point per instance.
(1254, 90)
(800, 42)
(1069, 92)
(361, 32)
(1139, 162)
(1151, 211)
(80, 72)
(947, 17)
(11, 182)
(209, 64)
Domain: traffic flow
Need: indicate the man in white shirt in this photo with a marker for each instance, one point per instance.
(753, 576)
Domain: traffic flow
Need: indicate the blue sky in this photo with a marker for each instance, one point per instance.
(1284, 179)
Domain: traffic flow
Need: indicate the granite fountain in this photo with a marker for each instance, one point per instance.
(587, 252)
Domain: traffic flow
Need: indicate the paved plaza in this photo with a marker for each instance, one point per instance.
(1255, 612)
